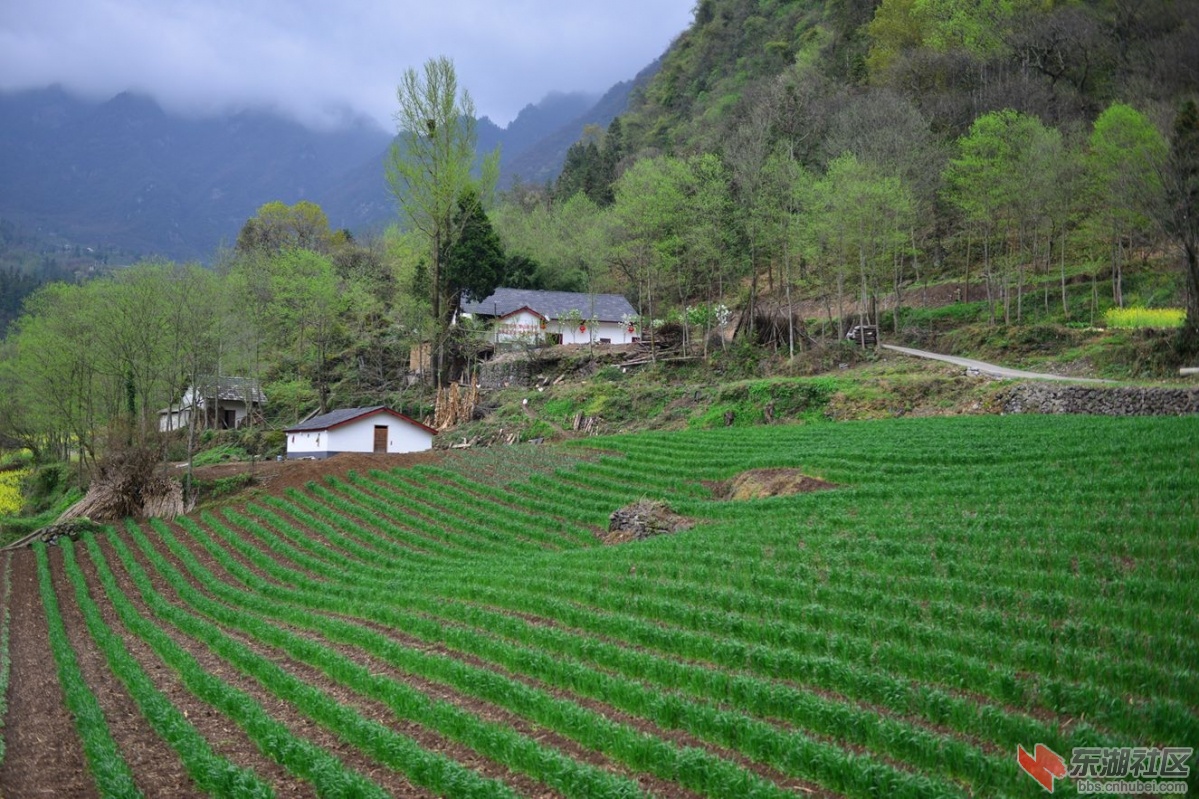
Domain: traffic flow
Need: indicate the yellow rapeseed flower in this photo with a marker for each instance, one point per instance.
(10, 491)
(1144, 317)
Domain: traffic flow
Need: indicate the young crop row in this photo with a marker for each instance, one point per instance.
(991, 439)
(1042, 619)
(966, 577)
(386, 599)
(485, 507)
(891, 638)
(422, 767)
(1002, 683)
(800, 623)
(108, 768)
(475, 512)
(1164, 718)
(789, 751)
(397, 508)
(551, 505)
(211, 772)
(361, 524)
(297, 755)
(694, 767)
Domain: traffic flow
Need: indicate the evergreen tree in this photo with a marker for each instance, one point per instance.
(475, 261)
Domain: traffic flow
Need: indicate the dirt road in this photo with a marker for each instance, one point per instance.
(989, 368)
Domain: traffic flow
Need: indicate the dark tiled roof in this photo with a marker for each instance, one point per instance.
(338, 417)
(230, 388)
(327, 420)
(553, 304)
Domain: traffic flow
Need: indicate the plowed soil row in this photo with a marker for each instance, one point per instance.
(157, 770)
(44, 756)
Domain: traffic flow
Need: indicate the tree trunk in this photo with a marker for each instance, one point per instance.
(1062, 260)
(1191, 324)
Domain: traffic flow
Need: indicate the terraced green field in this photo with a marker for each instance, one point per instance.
(972, 584)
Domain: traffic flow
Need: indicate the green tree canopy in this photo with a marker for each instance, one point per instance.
(278, 226)
(430, 168)
(1125, 158)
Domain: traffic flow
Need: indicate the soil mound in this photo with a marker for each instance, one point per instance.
(641, 520)
(762, 483)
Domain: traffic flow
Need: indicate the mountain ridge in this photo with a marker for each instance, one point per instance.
(125, 175)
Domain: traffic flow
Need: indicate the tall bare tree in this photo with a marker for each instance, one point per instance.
(431, 165)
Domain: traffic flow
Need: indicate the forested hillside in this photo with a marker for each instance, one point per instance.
(847, 153)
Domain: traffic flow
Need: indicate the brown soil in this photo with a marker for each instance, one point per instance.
(762, 483)
(225, 737)
(276, 476)
(44, 756)
(157, 770)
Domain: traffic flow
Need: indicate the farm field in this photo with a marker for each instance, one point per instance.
(456, 629)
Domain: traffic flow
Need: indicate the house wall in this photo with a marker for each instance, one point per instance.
(517, 328)
(309, 444)
(178, 420)
(174, 420)
(237, 406)
(616, 332)
(359, 436)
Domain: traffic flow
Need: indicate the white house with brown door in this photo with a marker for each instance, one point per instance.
(556, 317)
(376, 429)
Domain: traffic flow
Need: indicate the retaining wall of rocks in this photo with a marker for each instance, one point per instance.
(1100, 401)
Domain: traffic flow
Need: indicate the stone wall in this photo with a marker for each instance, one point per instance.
(506, 372)
(1100, 401)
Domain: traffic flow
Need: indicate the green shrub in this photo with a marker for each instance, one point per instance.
(609, 373)
(220, 454)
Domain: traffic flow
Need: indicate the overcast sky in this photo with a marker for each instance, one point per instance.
(311, 58)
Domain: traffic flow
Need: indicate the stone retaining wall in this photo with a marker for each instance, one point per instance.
(1124, 401)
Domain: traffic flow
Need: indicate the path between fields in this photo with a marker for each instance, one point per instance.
(990, 368)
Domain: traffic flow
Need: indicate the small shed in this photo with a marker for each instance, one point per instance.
(376, 429)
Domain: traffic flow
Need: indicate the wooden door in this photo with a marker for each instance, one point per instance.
(380, 438)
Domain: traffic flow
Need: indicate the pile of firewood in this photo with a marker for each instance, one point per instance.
(455, 405)
(128, 483)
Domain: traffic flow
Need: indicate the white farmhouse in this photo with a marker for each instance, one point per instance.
(376, 429)
(557, 317)
(224, 403)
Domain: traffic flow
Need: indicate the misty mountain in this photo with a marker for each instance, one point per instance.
(542, 162)
(125, 174)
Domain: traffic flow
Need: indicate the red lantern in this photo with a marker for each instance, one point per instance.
(632, 329)
(582, 328)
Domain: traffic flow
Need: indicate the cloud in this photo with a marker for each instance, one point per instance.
(318, 60)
